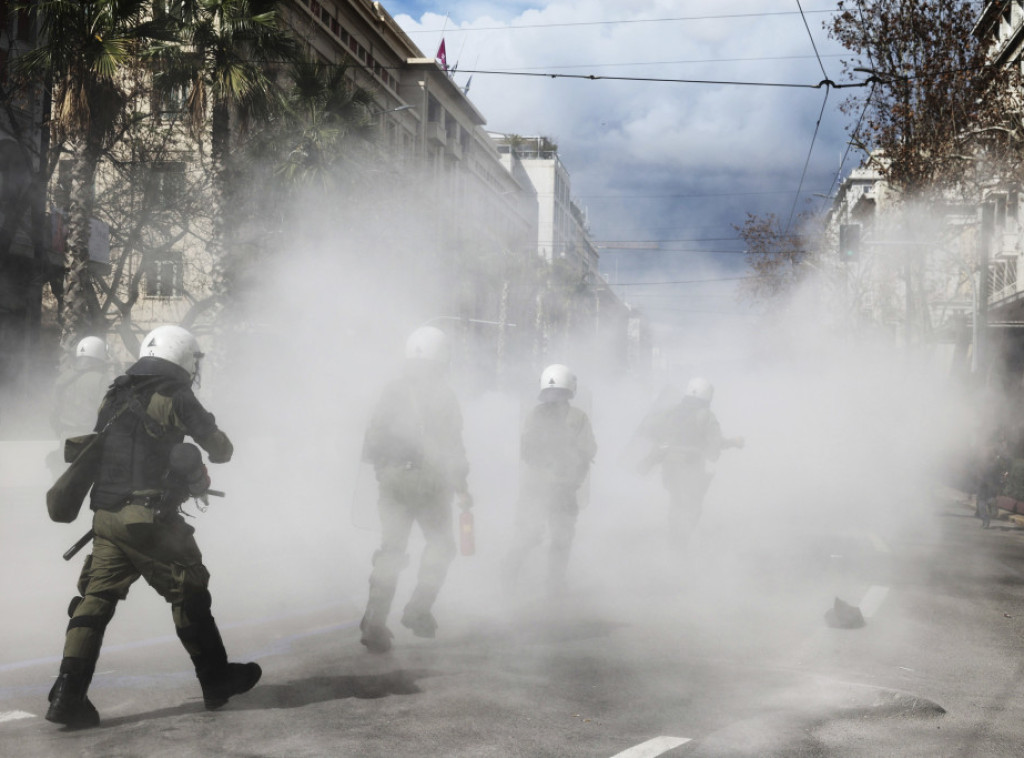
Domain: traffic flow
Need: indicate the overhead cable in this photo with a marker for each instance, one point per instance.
(813, 45)
(807, 162)
(686, 281)
(514, 27)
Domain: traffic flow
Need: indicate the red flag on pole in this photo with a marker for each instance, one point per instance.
(441, 56)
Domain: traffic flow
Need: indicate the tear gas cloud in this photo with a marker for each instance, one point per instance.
(842, 436)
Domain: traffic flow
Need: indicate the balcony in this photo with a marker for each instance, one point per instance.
(433, 131)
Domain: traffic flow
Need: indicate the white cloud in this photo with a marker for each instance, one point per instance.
(655, 138)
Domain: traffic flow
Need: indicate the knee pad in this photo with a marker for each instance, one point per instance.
(197, 605)
(92, 611)
(75, 601)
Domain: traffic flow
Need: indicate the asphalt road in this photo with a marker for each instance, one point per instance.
(725, 653)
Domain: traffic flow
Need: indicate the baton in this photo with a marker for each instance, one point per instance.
(87, 537)
(82, 542)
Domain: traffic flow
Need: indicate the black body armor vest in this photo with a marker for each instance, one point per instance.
(137, 447)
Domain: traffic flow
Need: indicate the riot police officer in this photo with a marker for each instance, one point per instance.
(556, 449)
(414, 441)
(139, 530)
(686, 437)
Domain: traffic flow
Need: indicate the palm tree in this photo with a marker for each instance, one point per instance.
(325, 115)
(222, 63)
(88, 49)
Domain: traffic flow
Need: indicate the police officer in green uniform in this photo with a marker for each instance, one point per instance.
(414, 441)
(77, 393)
(147, 412)
(556, 449)
(686, 437)
(80, 387)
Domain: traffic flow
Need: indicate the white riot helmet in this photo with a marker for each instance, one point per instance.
(558, 377)
(701, 389)
(174, 344)
(428, 343)
(91, 347)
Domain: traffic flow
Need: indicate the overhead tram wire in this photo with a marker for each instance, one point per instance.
(860, 118)
(849, 143)
(685, 281)
(677, 196)
(758, 59)
(828, 83)
(807, 162)
(817, 125)
(813, 45)
(716, 17)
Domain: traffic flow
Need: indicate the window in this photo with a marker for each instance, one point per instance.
(168, 182)
(164, 276)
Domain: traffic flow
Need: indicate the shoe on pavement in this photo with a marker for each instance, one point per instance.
(422, 623)
(236, 679)
(376, 637)
(70, 706)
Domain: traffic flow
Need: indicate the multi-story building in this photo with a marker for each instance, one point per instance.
(1000, 28)
(562, 231)
(588, 318)
(466, 214)
(902, 270)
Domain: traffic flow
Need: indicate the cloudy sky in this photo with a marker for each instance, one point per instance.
(676, 162)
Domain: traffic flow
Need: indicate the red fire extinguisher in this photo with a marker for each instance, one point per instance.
(467, 543)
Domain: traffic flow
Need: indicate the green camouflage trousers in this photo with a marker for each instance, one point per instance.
(129, 544)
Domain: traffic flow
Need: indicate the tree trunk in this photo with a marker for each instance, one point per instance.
(220, 239)
(79, 310)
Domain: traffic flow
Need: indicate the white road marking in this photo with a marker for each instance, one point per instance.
(653, 747)
(873, 600)
(15, 715)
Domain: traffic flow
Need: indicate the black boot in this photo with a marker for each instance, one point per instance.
(376, 637)
(233, 679)
(68, 703)
(219, 679)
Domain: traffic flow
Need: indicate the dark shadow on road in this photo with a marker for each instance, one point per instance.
(321, 689)
(296, 694)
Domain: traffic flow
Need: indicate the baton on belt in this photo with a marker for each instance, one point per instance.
(86, 538)
(82, 542)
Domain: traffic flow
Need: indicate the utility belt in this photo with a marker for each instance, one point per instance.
(148, 501)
